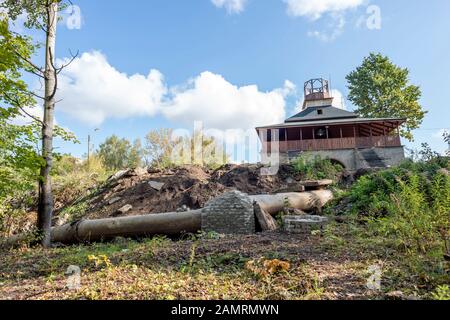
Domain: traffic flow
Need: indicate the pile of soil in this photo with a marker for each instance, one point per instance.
(137, 192)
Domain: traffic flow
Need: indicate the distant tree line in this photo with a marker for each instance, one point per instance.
(161, 150)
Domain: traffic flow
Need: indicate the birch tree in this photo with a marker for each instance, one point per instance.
(42, 15)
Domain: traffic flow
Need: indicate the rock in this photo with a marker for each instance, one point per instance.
(120, 174)
(264, 221)
(305, 223)
(153, 170)
(395, 295)
(290, 180)
(184, 208)
(114, 200)
(156, 185)
(316, 184)
(125, 209)
(139, 172)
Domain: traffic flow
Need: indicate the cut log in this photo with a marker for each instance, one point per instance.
(264, 221)
(316, 184)
(292, 187)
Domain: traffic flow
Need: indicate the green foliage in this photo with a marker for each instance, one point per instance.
(407, 210)
(19, 159)
(118, 154)
(158, 148)
(164, 150)
(381, 89)
(371, 194)
(135, 155)
(417, 220)
(35, 10)
(442, 293)
(313, 168)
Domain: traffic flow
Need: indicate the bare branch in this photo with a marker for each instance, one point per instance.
(35, 95)
(37, 71)
(16, 103)
(70, 62)
(55, 71)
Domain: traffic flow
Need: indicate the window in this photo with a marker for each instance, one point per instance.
(320, 112)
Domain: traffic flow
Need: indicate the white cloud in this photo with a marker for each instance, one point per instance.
(222, 105)
(314, 9)
(92, 91)
(232, 6)
(25, 119)
(339, 99)
(335, 29)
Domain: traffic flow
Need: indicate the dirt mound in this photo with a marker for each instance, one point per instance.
(136, 192)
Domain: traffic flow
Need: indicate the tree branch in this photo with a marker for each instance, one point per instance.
(16, 102)
(37, 71)
(70, 62)
(55, 71)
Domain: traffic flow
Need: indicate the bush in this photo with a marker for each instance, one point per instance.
(407, 208)
(314, 168)
(371, 194)
(73, 179)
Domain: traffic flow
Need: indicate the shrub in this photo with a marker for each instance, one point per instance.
(313, 168)
(407, 208)
(371, 194)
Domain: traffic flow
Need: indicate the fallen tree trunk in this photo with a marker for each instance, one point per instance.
(170, 224)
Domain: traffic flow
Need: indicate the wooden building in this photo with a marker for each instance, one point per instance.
(343, 136)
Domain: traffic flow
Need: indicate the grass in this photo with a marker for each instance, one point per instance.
(414, 274)
(160, 268)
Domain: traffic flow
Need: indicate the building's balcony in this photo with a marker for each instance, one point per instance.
(335, 144)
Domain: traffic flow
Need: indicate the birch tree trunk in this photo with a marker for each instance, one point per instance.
(45, 209)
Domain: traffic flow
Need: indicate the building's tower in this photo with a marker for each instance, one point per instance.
(317, 93)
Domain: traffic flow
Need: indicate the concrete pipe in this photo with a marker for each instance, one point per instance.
(170, 224)
(305, 201)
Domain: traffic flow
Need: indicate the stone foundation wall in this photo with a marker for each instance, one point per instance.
(355, 159)
(232, 213)
(303, 223)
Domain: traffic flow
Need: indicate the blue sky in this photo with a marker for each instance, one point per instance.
(208, 56)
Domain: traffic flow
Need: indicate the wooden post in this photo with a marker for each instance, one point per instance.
(301, 139)
(286, 140)
(340, 129)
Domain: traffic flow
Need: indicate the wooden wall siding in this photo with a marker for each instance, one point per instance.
(335, 144)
